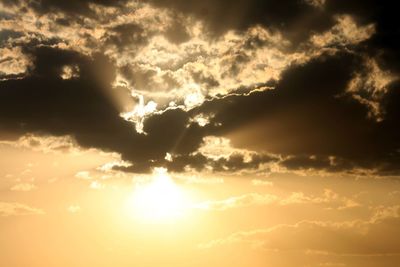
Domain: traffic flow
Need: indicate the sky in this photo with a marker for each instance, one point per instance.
(258, 133)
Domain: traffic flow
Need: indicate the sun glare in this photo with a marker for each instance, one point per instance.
(159, 200)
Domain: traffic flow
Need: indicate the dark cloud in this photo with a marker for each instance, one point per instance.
(45, 102)
(235, 162)
(177, 32)
(82, 107)
(139, 78)
(70, 7)
(308, 118)
(324, 163)
(126, 35)
(296, 18)
(5, 35)
(208, 81)
(383, 14)
(308, 113)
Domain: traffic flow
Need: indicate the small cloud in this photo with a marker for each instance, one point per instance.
(96, 185)
(110, 165)
(70, 72)
(329, 197)
(217, 148)
(258, 182)
(370, 85)
(45, 144)
(168, 157)
(383, 213)
(74, 208)
(201, 119)
(345, 32)
(238, 201)
(138, 114)
(24, 187)
(316, 3)
(194, 98)
(18, 209)
(194, 179)
(83, 175)
(14, 61)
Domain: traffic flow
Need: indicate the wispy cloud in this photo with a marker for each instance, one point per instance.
(23, 187)
(376, 236)
(18, 209)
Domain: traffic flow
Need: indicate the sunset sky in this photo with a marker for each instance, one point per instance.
(204, 133)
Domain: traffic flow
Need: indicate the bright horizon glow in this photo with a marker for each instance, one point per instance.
(157, 201)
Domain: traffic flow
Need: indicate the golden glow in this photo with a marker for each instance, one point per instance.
(159, 200)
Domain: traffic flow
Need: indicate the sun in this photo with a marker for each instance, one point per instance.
(159, 200)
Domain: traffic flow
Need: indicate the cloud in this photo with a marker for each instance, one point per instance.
(135, 37)
(83, 175)
(198, 179)
(258, 182)
(221, 16)
(330, 199)
(237, 202)
(18, 209)
(345, 32)
(81, 107)
(13, 62)
(297, 121)
(74, 7)
(45, 144)
(24, 187)
(377, 236)
(217, 154)
(74, 208)
(370, 85)
(96, 185)
(290, 81)
(309, 116)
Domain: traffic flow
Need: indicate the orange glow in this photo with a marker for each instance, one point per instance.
(159, 200)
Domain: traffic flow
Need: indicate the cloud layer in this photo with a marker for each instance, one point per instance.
(303, 85)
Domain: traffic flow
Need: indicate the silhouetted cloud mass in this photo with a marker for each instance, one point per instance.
(307, 85)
